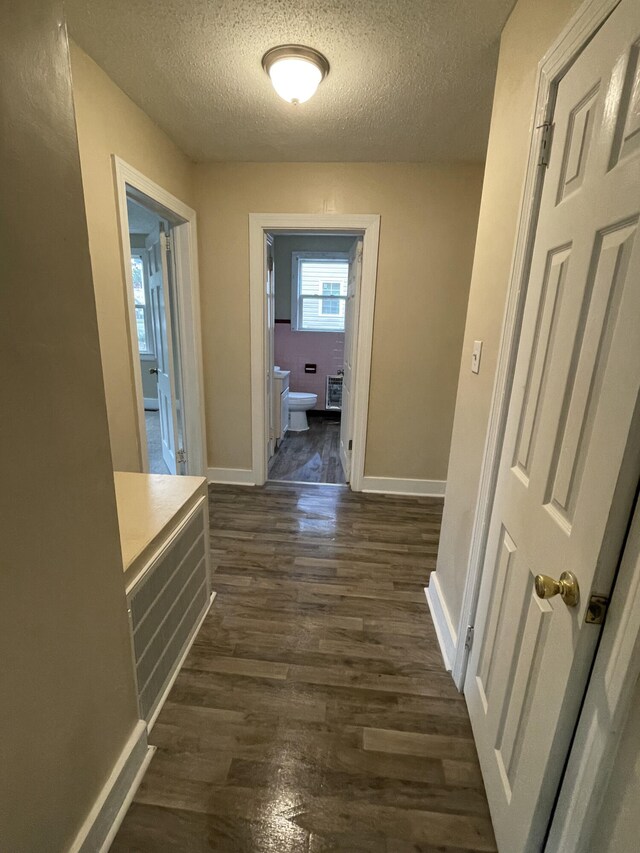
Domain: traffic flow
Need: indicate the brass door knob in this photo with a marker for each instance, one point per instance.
(567, 587)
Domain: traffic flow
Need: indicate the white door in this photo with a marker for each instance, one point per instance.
(156, 245)
(350, 344)
(569, 465)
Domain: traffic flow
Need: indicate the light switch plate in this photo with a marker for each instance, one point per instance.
(475, 356)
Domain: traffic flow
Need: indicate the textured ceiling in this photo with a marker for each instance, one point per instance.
(410, 80)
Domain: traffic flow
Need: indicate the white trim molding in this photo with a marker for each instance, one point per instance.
(185, 244)
(103, 821)
(551, 69)
(365, 225)
(445, 629)
(395, 486)
(231, 476)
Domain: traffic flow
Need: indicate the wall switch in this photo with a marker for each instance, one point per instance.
(475, 356)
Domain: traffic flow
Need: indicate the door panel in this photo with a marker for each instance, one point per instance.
(567, 475)
(156, 246)
(350, 344)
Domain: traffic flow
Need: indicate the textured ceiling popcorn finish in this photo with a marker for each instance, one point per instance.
(410, 80)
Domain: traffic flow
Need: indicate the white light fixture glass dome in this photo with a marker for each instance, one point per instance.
(295, 71)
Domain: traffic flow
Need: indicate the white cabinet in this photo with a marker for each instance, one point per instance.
(164, 536)
(280, 403)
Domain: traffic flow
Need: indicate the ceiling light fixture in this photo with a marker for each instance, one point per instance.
(296, 71)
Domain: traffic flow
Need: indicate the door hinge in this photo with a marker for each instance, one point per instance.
(545, 143)
(168, 237)
(181, 456)
(468, 640)
(596, 609)
(350, 444)
(270, 263)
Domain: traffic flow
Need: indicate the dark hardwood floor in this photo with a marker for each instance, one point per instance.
(313, 713)
(312, 456)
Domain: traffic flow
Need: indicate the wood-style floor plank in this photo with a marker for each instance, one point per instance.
(313, 713)
(312, 456)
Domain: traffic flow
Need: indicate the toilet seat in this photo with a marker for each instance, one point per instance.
(302, 399)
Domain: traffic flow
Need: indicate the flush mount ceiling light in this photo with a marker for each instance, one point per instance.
(296, 71)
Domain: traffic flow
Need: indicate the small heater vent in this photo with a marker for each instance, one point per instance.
(165, 607)
(333, 398)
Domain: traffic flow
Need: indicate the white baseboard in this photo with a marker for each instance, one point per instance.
(231, 476)
(394, 486)
(179, 663)
(103, 821)
(445, 629)
(151, 404)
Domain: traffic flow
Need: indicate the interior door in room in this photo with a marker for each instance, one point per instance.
(156, 246)
(569, 465)
(350, 346)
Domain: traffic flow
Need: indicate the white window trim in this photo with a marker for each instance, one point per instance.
(148, 354)
(296, 257)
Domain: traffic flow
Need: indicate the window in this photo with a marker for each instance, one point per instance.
(330, 306)
(141, 301)
(319, 291)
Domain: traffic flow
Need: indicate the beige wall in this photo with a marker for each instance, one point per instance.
(110, 123)
(67, 703)
(428, 223)
(530, 31)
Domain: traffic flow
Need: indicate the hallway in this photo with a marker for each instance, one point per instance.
(313, 713)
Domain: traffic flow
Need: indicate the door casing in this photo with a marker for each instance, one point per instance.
(187, 292)
(366, 225)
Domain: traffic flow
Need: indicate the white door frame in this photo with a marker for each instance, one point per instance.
(368, 225)
(572, 40)
(188, 300)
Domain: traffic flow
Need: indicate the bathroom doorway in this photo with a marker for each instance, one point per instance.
(160, 266)
(308, 275)
(314, 304)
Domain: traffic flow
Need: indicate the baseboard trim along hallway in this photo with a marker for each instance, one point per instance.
(395, 486)
(445, 630)
(103, 821)
(231, 476)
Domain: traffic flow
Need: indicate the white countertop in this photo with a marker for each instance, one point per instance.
(149, 504)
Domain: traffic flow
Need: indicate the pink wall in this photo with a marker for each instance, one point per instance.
(295, 349)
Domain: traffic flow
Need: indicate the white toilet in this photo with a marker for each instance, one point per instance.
(299, 405)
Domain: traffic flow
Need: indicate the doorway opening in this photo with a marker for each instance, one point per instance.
(158, 238)
(312, 289)
(158, 335)
(313, 283)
